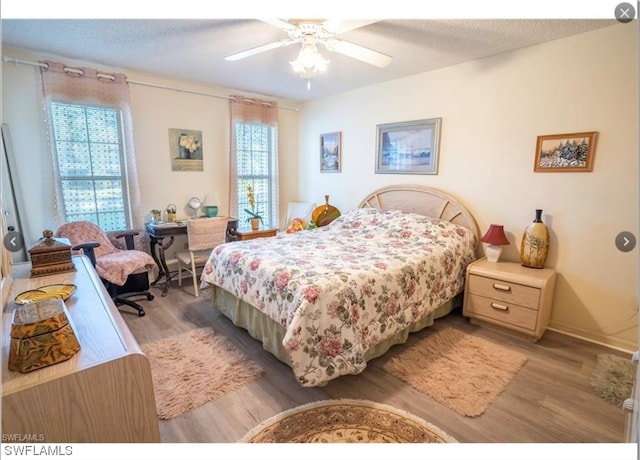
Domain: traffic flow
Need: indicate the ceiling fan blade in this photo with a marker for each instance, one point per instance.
(358, 52)
(259, 49)
(338, 26)
(279, 23)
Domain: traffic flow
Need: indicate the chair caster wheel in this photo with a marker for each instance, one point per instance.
(141, 313)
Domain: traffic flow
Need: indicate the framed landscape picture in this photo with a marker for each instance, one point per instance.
(330, 153)
(565, 152)
(409, 147)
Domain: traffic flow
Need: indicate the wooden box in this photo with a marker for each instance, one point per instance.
(50, 256)
(41, 335)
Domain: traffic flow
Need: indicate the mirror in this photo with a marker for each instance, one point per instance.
(12, 202)
(195, 204)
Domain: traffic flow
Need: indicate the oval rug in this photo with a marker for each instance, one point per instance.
(346, 420)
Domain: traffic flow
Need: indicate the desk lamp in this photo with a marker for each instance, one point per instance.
(496, 238)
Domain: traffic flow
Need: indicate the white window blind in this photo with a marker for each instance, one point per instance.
(89, 150)
(92, 149)
(256, 166)
(254, 158)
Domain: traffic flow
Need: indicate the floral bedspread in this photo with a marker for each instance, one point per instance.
(341, 289)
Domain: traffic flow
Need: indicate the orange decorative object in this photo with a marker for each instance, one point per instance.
(41, 335)
(325, 214)
(296, 225)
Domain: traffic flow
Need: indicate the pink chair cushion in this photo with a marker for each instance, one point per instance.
(112, 264)
(117, 266)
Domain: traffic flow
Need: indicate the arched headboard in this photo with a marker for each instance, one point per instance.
(423, 200)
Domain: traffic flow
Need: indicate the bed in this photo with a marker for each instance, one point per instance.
(327, 301)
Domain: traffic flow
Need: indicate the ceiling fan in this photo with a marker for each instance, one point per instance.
(310, 33)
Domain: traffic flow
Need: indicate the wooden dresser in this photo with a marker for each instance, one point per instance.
(104, 393)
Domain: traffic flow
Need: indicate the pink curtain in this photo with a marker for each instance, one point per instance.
(88, 86)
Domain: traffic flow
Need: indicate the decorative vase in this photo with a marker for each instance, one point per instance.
(211, 211)
(255, 223)
(534, 248)
(325, 213)
(171, 212)
(156, 215)
(185, 154)
(183, 146)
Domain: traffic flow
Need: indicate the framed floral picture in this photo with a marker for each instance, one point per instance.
(185, 149)
(330, 153)
(408, 147)
(565, 152)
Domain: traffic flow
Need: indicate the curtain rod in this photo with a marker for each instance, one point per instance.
(135, 82)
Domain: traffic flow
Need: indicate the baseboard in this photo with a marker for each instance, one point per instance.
(606, 345)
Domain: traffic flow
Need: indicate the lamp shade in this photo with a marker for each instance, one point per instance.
(495, 235)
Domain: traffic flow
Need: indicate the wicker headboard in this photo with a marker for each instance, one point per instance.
(422, 200)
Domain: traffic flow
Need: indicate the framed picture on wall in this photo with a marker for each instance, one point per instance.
(409, 147)
(185, 149)
(565, 152)
(330, 153)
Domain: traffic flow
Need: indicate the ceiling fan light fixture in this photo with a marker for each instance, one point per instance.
(309, 62)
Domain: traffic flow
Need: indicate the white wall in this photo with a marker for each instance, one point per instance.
(154, 111)
(492, 111)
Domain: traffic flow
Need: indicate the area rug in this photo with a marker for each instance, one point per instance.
(346, 420)
(612, 378)
(460, 371)
(191, 369)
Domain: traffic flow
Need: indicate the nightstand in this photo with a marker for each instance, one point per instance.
(510, 295)
(248, 234)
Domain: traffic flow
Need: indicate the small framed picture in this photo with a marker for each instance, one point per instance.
(565, 152)
(185, 149)
(330, 153)
(409, 147)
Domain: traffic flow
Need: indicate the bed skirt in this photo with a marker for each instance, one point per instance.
(270, 333)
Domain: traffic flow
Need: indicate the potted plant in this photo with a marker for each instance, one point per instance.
(254, 217)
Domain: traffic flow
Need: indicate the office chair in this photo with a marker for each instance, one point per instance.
(203, 235)
(123, 272)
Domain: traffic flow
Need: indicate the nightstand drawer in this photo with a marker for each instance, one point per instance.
(504, 291)
(503, 312)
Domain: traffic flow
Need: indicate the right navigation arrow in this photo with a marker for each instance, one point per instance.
(625, 241)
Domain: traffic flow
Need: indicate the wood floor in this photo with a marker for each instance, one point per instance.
(550, 399)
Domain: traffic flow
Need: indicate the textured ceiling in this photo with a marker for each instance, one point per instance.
(194, 50)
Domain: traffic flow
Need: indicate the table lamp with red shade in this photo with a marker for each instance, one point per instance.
(496, 238)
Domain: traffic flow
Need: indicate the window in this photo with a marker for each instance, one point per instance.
(256, 165)
(89, 152)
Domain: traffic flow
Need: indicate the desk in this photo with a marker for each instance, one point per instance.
(159, 231)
